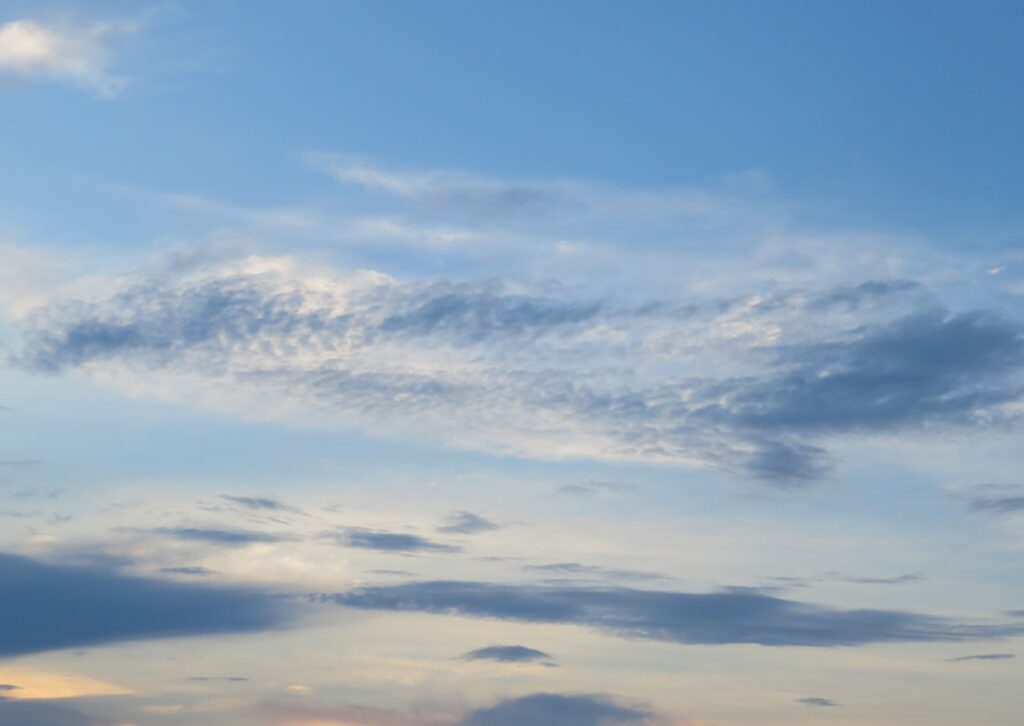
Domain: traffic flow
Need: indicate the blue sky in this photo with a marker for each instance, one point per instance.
(577, 363)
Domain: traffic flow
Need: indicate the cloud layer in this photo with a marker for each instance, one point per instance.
(756, 386)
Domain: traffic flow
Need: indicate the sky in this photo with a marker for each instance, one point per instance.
(486, 364)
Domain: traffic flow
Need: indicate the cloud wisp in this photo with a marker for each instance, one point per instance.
(983, 656)
(384, 541)
(716, 618)
(461, 197)
(576, 569)
(817, 701)
(995, 499)
(225, 537)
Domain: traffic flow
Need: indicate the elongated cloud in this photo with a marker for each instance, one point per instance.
(465, 198)
(553, 709)
(507, 654)
(757, 386)
(717, 618)
(399, 542)
(48, 607)
(227, 537)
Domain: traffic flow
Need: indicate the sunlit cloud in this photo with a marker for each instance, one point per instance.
(75, 53)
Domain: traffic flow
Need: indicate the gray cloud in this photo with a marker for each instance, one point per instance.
(995, 499)
(731, 616)
(931, 367)
(983, 656)
(467, 523)
(905, 579)
(227, 537)
(48, 607)
(506, 654)
(816, 701)
(575, 568)
(258, 503)
(189, 570)
(552, 709)
(44, 713)
(490, 361)
(372, 539)
(222, 679)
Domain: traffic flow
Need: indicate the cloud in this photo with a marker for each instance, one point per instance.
(48, 607)
(43, 713)
(190, 570)
(372, 539)
(467, 523)
(261, 503)
(506, 654)
(552, 709)
(227, 537)
(742, 386)
(575, 568)
(80, 55)
(984, 656)
(464, 198)
(223, 679)
(596, 487)
(815, 701)
(717, 618)
(929, 367)
(995, 499)
(905, 579)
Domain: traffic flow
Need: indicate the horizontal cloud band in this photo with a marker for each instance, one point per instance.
(718, 618)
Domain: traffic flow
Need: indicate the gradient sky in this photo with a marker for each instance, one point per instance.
(483, 364)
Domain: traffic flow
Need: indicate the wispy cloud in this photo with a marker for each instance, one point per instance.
(465, 198)
(383, 541)
(983, 656)
(716, 618)
(596, 487)
(575, 569)
(76, 53)
(192, 570)
(227, 537)
(994, 499)
(265, 504)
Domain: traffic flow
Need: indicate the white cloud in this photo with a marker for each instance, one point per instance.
(63, 52)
